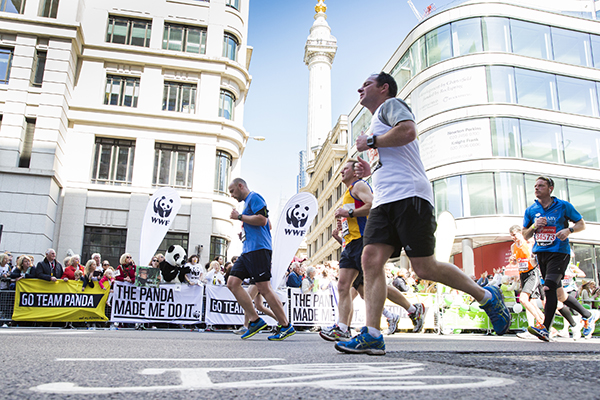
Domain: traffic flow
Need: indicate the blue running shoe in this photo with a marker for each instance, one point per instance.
(254, 328)
(540, 333)
(497, 311)
(282, 332)
(363, 343)
(589, 324)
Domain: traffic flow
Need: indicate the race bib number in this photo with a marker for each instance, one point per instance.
(545, 236)
(523, 265)
(345, 229)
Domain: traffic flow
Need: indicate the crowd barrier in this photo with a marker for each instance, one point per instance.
(215, 305)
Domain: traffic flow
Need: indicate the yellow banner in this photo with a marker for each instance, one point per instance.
(40, 300)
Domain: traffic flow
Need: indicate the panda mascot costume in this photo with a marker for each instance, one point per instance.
(171, 266)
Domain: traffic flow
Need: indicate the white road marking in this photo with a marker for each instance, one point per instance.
(168, 359)
(356, 376)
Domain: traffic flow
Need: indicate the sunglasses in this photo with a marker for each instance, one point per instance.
(154, 260)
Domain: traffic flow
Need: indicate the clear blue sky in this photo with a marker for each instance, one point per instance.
(368, 32)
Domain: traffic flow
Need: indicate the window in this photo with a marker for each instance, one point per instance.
(577, 96)
(560, 188)
(571, 47)
(27, 143)
(48, 8)
(113, 161)
(448, 196)
(109, 242)
(135, 32)
(180, 97)
(438, 45)
(596, 51)
(478, 194)
(536, 89)
(418, 56)
(505, 137)
(501, 84)
(584, 257)
(12, 6)
(173, 238)
(226, 103)
(531, 40)
(230, 46)
(222, 171)
(173, 165)
(540, 141)
(496, 34)
(466, 36)
(6, 56)
(401, 71)
(184, 38)
(37, 72)
(233, 4)
(218, 247)
(581, 146)
(122, 91)
(585, 197)
(510, 199)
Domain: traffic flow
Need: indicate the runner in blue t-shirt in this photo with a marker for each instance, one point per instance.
(255, 261)
(547, 220)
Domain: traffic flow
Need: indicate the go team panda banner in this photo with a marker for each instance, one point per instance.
(60, 301)
(295, 218)
(223, 309)
(160, 213)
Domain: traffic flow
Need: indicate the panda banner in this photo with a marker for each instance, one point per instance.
(223, 309)
(160, 213)
(295, 218)
(168, 303)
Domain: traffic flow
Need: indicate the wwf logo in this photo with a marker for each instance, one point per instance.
(297, 216)
(163, 207)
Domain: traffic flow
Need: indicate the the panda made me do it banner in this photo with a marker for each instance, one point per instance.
(160, 214)
(293, 223)
(168, 303)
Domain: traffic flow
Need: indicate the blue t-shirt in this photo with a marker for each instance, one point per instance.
(558, 216)
(257, 237)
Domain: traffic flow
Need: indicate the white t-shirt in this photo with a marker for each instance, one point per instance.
(401, 173)
(213, 278)
(196, 273)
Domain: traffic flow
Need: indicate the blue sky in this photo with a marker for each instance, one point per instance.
(368, 32)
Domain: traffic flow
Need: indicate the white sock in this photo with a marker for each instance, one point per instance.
(374, 332)
(343, 327)
(487, 296)
(411, 309)
(386, 313)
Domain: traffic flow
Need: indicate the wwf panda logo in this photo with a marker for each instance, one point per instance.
(163, 207)
(297, 216)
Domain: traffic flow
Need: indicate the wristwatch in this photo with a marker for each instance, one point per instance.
(571, 230)
(351, 213)
(240, 217)
(371, 142)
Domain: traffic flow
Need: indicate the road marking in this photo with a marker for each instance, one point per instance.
(355, 376)
(169, 359)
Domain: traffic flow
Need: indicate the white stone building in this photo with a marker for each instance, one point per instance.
(102, 102)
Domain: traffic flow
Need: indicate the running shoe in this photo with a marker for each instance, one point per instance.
(282, 332)
(335, 334)
(497, 311)
(540, 333)
(418, 317)
(254, 328)
(589, 324)
(525, 335)
(241, 330)
(393, 324)
(363, 343)
(576, 331)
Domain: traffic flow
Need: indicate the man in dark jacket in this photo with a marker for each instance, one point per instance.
(49, 269)
(295, 277)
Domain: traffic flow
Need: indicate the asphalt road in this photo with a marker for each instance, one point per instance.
(52, 363)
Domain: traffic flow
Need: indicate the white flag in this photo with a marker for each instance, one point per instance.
(160, 213)
(296, 217)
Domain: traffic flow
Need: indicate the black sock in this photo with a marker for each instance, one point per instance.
(550, 308)
(567, 315)
(574, 304)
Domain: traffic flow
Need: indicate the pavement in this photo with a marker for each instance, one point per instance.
(51, 363)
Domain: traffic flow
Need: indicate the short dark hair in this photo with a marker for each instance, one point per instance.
(549, 181)
(383, 78)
